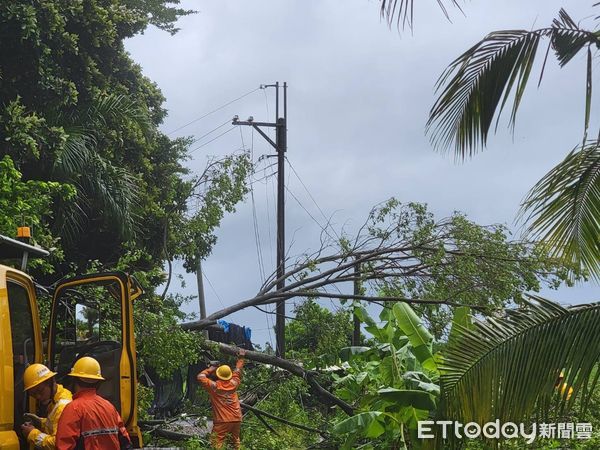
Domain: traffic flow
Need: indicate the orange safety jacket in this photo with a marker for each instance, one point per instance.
(92, 423)
(46, 437)
(223, 395)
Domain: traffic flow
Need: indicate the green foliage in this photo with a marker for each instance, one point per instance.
(285, 397)
(84, 163)
(29, 202)
(317, 334)
(462, 263)
(420, 339)
(145, 396)
(159, 13)
(157, 328)
(507, 367)
(75, 109)
(215, 192)
(393, 383)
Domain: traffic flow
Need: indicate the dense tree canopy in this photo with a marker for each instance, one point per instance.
(75, 109)
(83, 161)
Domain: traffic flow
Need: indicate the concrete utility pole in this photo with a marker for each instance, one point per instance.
(280, 146)
(356, 321)
(201, 298)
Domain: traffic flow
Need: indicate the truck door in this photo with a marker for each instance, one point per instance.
(20, 345)
(92, 315)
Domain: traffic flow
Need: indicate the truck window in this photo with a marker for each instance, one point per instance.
(21, 327)
(88, 322)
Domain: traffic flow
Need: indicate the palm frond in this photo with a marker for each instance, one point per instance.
(477, 85)
(117, 192)
(563, 208)
(508, 368)
(76, 153)
(569, 38)
(117, 108)
(402, 11)
(114, 189)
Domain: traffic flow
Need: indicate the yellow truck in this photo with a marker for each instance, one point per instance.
(91, 315)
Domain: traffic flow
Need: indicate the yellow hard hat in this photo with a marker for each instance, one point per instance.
(87, 368)
(36, 374)
(224, 372)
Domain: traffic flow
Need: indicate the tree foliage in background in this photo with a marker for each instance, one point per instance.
(461, 262)
(82, 159)
(30, 202)
(317, 334)
(75, 109)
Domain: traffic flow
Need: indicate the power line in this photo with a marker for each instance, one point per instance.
(213, 139)
(254, 219)
(210, 132)
(257, 239)
(213, 288)
(312, 198)
(269, 175)
(213, 111)
(324, 229)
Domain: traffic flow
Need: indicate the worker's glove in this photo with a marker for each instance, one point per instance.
(36, 421)
(215, 363)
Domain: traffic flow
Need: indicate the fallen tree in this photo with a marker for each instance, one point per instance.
(401, 254)
(310, 376)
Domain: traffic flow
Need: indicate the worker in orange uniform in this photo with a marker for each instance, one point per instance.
(227, 413)
(90, 422)
(40, 383)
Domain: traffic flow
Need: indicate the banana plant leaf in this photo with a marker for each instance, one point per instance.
(368, 423)
(419, 337)
(406, 397)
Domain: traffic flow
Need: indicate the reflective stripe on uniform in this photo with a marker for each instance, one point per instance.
(49, 423)
(40, 438)
(99, 431)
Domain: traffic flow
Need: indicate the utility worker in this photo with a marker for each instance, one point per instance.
(40, 383)
(227, 413)
(90, 422)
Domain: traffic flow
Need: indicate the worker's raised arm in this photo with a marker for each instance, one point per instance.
(203, 378)
(237, 373)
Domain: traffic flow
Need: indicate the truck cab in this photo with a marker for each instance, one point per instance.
(92, 315)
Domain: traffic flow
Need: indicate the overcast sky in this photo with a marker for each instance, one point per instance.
(358, 99)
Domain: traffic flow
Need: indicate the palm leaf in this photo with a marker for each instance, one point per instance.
(117, 193)
(402, 11)
(117, 108)
(507, 368)
(567, 42)
(98, 181)
(569, 38)
(76, 153)
(477, 85)
(563, 208)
